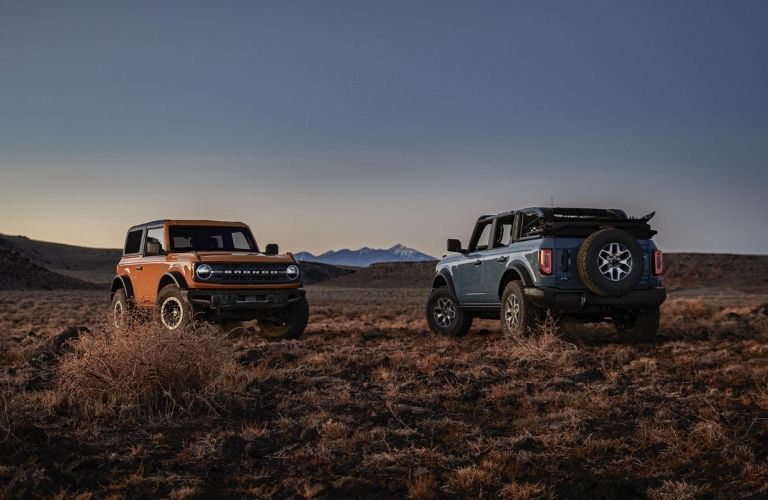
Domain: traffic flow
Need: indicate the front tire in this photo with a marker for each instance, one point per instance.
(518, 314)
(444, 316)
(121, 308)
(174, 308)
(641, 327)
(296, 319)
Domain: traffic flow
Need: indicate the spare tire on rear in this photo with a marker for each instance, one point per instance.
(610, 262)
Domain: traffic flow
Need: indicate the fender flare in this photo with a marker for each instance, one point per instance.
(176, 277)
(444, 275)
(515, 270)
(124, 282)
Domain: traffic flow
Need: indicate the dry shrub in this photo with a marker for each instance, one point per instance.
(678, 490)
(543, 344)
(144, 370)
(423, 487)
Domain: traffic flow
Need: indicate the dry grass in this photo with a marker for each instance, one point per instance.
(144, 370)
(368, 403)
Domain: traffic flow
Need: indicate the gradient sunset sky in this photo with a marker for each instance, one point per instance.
(342, 124)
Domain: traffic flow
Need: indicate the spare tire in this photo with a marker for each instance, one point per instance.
(610, 262)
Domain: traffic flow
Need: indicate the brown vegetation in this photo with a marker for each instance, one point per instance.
(143, 370)
(370, 404)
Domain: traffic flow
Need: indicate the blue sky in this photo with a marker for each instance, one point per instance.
(342, 124)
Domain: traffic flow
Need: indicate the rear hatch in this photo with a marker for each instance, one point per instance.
(566, 274)
(570, 226)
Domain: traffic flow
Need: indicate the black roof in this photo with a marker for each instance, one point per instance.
(158, 222)
(609, 213)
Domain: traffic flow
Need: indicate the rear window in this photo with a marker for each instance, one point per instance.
(201, 239)
(133, 242)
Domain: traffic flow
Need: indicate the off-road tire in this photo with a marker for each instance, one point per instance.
(444, 316)
(641, 327)
(588, 266)
(297, 317)
(122, 308)
(173, 308)
(519, 317)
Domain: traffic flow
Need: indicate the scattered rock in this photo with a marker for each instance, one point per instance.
(571, 357)
(232, 447)
(59, 343)
(249, 358)
(526, 443)
(258, 448)
(286, 357)
(471, 394)
(588, 376)
(308, 434)
(560, 384)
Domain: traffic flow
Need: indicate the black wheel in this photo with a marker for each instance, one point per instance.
(296, 317)
(444, 316)
(174, 308)
(610, 262)
(518, 314)
(641, 326)
(122, 308)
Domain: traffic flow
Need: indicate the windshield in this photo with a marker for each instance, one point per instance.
(202, 239)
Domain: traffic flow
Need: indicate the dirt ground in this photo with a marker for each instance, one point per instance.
(369, 404)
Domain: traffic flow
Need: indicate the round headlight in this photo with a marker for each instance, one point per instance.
(292, 272)
(204, 271)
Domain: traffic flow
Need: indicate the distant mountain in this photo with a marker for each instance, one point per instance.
(28, 264)
(365, 256)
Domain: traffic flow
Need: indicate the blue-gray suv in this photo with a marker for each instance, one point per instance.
(592, 264)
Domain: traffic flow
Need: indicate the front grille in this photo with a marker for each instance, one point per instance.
(249, 274)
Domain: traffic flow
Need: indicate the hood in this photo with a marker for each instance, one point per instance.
(239, 257)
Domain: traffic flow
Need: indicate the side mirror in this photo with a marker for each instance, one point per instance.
(454, 246)
(272, 249)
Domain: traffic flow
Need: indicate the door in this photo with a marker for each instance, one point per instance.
(152, 266)
(497, 257)
(131, 258)
(468, 274)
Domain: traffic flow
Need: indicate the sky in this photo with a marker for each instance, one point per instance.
(327, 125)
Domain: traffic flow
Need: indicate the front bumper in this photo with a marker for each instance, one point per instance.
(245, 300)
(580, 301)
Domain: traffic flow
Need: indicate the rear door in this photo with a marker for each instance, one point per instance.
(496, 258)
(468, 274)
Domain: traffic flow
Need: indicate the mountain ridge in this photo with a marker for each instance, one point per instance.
(366, 256)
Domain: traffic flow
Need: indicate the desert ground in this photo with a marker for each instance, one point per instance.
(369, 404)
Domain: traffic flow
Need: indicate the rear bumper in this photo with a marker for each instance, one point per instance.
(580, 301)
(224, 301)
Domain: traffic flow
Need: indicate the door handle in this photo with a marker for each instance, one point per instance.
(139, 268)
(477, 262)
(502, 259)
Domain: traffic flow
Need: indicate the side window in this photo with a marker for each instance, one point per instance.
(240, 242)
(529, 225)
(133, 242)
(485, 237)
(504, 232)
(154, 244)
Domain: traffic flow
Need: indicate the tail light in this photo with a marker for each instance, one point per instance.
(545, 261)
(658, 262)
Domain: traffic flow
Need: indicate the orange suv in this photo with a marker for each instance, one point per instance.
(212, 271)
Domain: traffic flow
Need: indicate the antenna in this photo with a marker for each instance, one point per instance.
(552, 202)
